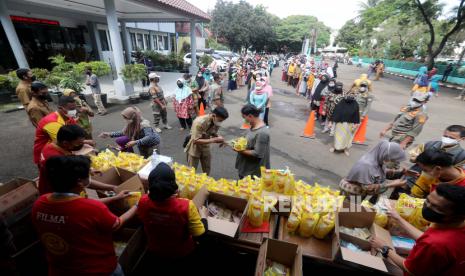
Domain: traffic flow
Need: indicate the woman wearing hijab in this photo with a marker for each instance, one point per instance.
(368, 175)
(84, 112)
(183, 104)
(172, 225)
(346, 118)
(269, 91)
(317, 93)
(137, 132)
(332, 97)
(204, 87)
(259, 97)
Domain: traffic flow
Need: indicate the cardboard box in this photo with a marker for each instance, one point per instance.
(124, 180)
(133, 252)
(218, 226)
(16, 199)
(372, 260)
(256, 239)
(287, 254)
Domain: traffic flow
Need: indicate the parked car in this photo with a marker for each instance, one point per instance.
(220, 61)
(228, 55)
(187, 57)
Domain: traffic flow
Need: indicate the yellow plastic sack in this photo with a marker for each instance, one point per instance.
(294, 220)
(240, 143)
(308, 223)
(423, 185)
(267, 179)
(256, 212)
(132, 199)
(289, 186)
(410, 209)
(270, 202)
(280, 180)
(324, 226)
(381, 217)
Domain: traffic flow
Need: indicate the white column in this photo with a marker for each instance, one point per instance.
(12, 36)
(126, 40)
(117, 47)
(193, 68)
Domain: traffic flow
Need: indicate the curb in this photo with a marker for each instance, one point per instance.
(451, 86)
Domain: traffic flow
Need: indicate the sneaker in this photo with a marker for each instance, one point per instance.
(167, 127)
(157, 129)
(331, 150)
(102, 113)
(458, 98)
(326, 130)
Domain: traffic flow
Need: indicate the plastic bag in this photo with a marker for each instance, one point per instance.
(293, 221)
(308, 223)
(324, 226)
(267, 179)
(280, 180)
(239, 143)
(270, 202)
(276, 269)
(381, 217)
(256, 212)
(410, 209)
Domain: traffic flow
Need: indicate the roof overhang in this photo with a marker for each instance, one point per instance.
(126, 10)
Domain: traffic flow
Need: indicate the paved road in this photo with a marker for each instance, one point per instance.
(309, 159)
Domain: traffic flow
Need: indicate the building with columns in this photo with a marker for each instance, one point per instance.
(108, 30)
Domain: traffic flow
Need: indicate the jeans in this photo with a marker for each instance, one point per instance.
(118, 271)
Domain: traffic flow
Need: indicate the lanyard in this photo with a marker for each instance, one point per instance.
(56, 194)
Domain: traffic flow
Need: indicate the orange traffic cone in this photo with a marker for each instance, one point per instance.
(245, 125)
(201, 110)
(309, 131)
(360, 135)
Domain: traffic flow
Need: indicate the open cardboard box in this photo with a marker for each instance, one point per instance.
(124, 180)
(372, 260)
(219, 226)
(16, 200)
(287, 254)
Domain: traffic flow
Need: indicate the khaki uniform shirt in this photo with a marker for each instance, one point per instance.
(37, 109)
(23, 91)
(408, 123)
(203, 127)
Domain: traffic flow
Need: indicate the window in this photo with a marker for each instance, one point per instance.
(140, 41)
(154, 38)
(133, 41)
(104, 40)
(147, 42)
(165, 42)
(160, 43)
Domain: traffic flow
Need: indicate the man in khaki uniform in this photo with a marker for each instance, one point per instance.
(408, 123)
(38, 106)
(203, 133)
(23, 90)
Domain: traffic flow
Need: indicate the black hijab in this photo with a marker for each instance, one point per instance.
(331, 89)
(347, 111)
(323, 83)
(200, 80)
(162, 183)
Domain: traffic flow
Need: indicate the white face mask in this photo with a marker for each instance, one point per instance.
(218, 124)
(448, 141)
(414, 104)
(363, 89)
(71, 113)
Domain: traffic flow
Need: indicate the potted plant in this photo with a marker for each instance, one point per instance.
(132, 73)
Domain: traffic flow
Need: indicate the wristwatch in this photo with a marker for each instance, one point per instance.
(385, 251)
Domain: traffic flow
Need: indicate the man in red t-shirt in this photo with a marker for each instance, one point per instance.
(438, 165)
(75, 231)
(70, 138)
(440, 249)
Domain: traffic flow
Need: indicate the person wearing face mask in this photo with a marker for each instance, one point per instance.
(364, 99)
(439, 250)
(84, 112)
(290, 72)
(259, 97)
(194, 86)
(158, 103)
(203, 133)
(23, 90)
(38, 106)
(76, 232)
(317, 94)
(408, 124)
(48, 126)
(436, 166)
(257, 153)
(70, 140)
(333, 97)
(137, 132)
(204, 87)
(368, 175)
(183, 104)
(450, 143)
(358, 82)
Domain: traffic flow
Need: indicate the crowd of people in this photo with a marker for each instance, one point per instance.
(76, 231)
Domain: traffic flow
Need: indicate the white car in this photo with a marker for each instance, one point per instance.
(220, 61)
(187, 57)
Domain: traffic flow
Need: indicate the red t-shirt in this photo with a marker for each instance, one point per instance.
(438, 252)
(77, 235)
(460, 181)
(50, 150)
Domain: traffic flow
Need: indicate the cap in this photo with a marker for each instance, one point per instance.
(153, 75)
(420, 96)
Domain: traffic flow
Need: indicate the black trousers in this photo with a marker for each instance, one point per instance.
(185, 123)
(265, 119)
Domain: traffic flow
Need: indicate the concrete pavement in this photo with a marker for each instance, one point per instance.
(309, 159)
